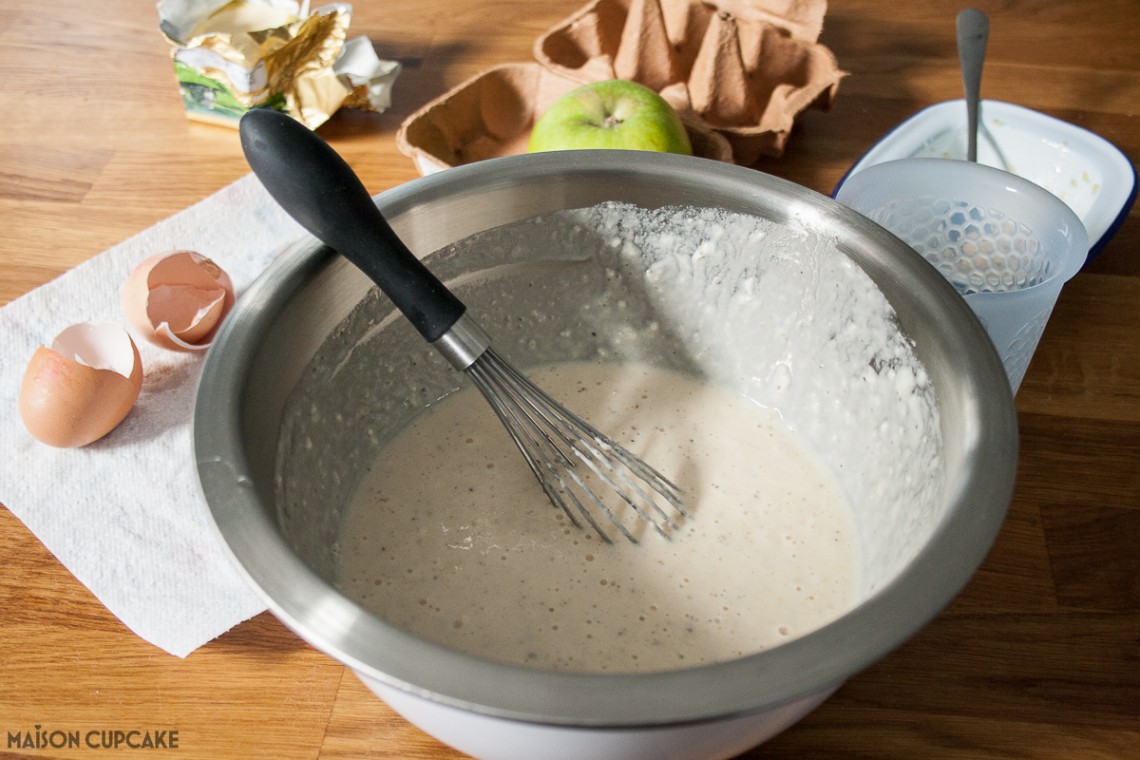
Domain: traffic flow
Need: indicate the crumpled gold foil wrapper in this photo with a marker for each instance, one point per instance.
(233, 55)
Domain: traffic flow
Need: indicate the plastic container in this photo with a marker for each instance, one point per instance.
(1006, 244)
(1087, 172)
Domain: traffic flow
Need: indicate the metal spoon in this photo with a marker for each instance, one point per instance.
(973, 33)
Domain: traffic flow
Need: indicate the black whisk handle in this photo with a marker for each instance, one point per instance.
(317, 187)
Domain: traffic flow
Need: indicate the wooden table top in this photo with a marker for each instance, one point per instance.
(1038, 658)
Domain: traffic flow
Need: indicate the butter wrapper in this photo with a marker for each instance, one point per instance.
(233, 55)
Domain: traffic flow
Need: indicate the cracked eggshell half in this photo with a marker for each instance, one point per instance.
(178, 300)
(82, 386)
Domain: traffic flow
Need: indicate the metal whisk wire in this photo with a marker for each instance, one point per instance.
(552, 437)
(322, 193)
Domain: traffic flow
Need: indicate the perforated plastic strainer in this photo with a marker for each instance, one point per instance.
(979, 249)
(1006, 244)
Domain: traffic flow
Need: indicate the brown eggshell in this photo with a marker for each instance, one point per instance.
(79, 389)
(178, 300)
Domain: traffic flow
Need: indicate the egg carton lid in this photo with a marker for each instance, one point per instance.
(490, 115)
(750, 90)
(745, 68)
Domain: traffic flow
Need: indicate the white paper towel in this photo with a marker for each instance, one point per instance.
(124, 514)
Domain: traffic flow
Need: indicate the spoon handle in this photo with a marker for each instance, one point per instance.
(318, 189)
(973, 32)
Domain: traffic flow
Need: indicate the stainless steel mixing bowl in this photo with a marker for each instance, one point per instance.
(495, 710)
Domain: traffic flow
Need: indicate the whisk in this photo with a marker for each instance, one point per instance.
(318, 189)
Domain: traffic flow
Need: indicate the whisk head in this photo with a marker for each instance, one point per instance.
(612, 483)
(583, 472)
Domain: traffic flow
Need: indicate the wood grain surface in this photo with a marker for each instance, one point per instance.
(1038, 658)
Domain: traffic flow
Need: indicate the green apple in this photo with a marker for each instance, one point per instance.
(615, 113)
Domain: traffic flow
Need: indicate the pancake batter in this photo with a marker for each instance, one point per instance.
(450, 536)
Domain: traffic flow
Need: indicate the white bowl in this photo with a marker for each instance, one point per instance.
(1091, 175)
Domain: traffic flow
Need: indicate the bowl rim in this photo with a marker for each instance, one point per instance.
(815, 663)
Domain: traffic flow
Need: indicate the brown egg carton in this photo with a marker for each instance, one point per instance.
(492, 114)
(744, 68)
(738, 72)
